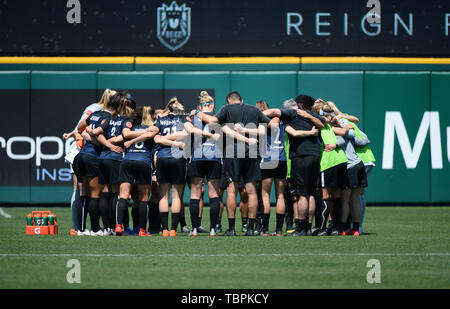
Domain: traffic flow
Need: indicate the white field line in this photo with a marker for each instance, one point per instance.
(5, 214)
(220, 254)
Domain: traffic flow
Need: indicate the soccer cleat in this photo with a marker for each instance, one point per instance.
(244, 228)
(266, 234)
(309, 232)
(212, 232)
(128, 232)
(353, 233)
(342, 233)
(98, 233)
(143, 232)
(218, 228)
(250, 232)
(185, 229)
(278, 233)
(230, 233)
(108, 232)
(290, 230)
(136, 230)
(84, 233)
(119, 230)
(302, 233)
(201, 229)
(193, 233)
(73, 232)
(165, 233)
(322, 232)
(172, 233)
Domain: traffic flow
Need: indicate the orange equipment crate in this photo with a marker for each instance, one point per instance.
(36, 225)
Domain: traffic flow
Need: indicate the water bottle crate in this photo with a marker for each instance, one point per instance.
(41, 223)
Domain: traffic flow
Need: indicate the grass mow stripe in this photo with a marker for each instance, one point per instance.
(220, 254)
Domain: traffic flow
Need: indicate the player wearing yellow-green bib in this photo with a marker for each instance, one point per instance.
(366, 155)
(333, 172)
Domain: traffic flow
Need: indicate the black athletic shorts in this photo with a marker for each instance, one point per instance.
(356, 176)
(171, 170)
(224, 182)
(109, 172)
(277, 173)
(242, 169)
(131, 170)
(304, 175)
(205, 169)
(86, 166)
(335, 176)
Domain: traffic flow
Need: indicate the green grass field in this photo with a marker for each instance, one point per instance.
(411, 243)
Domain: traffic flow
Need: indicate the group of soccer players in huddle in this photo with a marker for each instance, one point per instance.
(127, 155)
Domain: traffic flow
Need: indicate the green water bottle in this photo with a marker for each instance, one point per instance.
(44, 220)
(51, 219)
(37, 219)
(29, 219)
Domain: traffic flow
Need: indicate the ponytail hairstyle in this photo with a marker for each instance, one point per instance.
(175, 107)
(125, 109)
(262, 105)
(106, 98)
(147, 115)
(330, 107)
(138, 115)
(113, 102)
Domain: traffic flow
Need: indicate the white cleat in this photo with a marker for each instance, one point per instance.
(212, 232)
(84, 233)
(98, 233)
(107, 232)
(193, 233)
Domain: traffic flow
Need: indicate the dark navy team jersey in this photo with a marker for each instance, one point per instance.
(141, 151)
(112, 129)
(204, 149)
(275, 144)
(168, 125)
(95, 120)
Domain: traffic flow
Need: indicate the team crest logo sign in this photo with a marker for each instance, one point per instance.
(174, 25)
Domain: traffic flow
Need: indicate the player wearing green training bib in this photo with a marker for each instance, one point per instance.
(366, 155)
(333, 173)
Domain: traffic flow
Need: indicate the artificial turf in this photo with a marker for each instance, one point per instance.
(412, 245)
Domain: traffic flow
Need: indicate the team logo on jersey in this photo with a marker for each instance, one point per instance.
(174, 25)
(128, 124)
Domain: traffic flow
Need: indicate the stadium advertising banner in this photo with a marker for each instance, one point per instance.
(224, 28)
(403, 114)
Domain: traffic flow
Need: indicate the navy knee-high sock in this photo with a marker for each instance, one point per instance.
(194, 210)
(94, 213)
(104, 209)
(121, 209)
(214, 210)
(143, 215)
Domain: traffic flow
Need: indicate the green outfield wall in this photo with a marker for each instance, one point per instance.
(403, 107)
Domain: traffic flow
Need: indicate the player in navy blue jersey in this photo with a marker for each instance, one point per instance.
(171, 164)
(110, 161)
(273, 169)
(87, 162)
(136, 167)
(205, 163)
